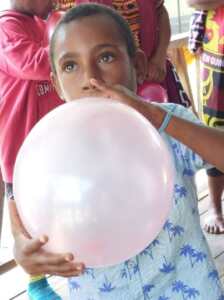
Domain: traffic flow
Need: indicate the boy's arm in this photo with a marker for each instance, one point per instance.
(205, 4)
(157, 63)
(21, 56)
(197, 137)
(30, 255)
(200, 139)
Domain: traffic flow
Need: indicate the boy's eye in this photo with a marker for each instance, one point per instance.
(106, 58)
(69, 67)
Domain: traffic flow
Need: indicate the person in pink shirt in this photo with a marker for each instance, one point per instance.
(26, 95)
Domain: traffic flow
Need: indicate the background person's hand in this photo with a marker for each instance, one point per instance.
(156, 69)
(159, 3)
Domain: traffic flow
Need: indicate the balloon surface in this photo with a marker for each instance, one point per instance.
(152, 92)
(52, 21)
(97, 178)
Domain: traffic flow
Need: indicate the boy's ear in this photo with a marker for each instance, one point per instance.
(140, 66)
(56, 85)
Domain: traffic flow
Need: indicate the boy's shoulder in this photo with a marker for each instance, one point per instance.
(180, 111)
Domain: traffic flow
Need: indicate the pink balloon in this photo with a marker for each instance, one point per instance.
(152, 92)
(97, 178)
(52, 21)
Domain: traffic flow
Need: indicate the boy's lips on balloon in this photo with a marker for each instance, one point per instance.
(95, 93)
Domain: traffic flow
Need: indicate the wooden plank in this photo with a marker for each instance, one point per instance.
(7, 266)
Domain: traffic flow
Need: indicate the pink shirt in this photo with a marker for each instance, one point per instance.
(26, 93)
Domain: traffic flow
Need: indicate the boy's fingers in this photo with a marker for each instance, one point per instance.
(108, 91)
(63, 269)
(35, 245)
(55, 259)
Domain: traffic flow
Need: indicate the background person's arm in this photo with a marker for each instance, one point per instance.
(157, 63)
(205, 4)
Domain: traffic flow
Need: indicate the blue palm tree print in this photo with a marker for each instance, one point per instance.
(191, 293)
(185, 291)
(187, 170)
(74, 285)
(173, 230)
(147, 290)
(167, 267)
(163, 298)
(221, 297)
(176, 148)
(130, 269)
(177, 230)
(179, 287)
(214, 276)
(107, 286)
(180, 192)
(90, 272)
(149, 250)
(193, 255)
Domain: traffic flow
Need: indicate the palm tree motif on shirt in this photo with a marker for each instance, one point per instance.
(75, 286)
(149, 250)
(147, 290)
(192, 254)
(167, 267)
(186, 292)
(164, 298)
(186, 158)
(180, 192)
(214, 276)
(89, 272)
(188, 171)
(107, 286)
(173, 230)
(130, 269)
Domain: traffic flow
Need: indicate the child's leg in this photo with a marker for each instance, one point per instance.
(39, 289)
(214, 223)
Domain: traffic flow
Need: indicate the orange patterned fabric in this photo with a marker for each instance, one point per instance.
(130, 11)
(64, 4)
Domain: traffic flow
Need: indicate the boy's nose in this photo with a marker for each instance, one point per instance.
(89, 73)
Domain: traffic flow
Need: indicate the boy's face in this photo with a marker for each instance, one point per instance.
(92, 48)
(40, 8)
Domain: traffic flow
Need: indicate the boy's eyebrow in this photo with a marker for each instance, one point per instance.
(70, 55)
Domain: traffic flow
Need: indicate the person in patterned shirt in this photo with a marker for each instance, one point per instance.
(93, 53)
(206, 38)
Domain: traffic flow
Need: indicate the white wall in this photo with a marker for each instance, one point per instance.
(4, 4)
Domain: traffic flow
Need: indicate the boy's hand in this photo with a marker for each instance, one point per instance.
(116, 92)
(122, 94)
(35, 260)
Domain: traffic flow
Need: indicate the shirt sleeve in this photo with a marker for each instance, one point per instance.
(185, 159)
(20, 55)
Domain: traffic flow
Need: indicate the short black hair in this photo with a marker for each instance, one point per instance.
(87, 10)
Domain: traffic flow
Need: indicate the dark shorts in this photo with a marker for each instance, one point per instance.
(213, 172)
(8, 190)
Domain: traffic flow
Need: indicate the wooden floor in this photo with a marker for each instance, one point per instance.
(13, 283)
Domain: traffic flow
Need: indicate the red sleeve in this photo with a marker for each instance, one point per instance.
(20, 55)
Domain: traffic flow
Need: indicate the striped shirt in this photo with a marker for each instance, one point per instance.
(197, 30)
(130, 12)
